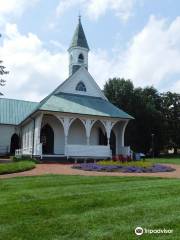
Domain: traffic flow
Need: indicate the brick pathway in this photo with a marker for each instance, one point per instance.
(65, 169)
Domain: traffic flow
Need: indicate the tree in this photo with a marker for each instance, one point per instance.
(145, 106)
(120, 92)
(2, 72)
(171, 112)
(151, 120)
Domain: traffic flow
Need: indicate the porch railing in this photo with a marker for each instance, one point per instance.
(29, 151)
(23, 151)
(18, 153)
(73, 150)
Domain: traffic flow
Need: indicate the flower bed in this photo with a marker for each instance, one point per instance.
(128, 164)
(123, 168)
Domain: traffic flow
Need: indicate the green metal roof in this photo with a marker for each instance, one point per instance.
(15, 111)
(79, 38)
(73, 103)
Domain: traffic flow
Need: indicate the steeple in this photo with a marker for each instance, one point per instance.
(78, 50)
(79, 38)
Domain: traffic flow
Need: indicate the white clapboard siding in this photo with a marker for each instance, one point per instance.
(3, 150)
(88, 151)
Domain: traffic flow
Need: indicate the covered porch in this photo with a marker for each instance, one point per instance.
(64, 135)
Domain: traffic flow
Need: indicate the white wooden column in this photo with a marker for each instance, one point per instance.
(66, 122)
(88, 123)
(37, 131)
(123, 131)
(108, 126)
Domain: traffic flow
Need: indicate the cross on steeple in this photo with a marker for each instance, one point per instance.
(79, 16)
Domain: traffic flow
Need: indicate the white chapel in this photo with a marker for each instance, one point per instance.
(75, 120)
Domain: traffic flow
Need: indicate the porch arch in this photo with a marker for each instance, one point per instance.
(47, 139)
(59, 135)
(77, 132)
(117, 136)
(98, 135)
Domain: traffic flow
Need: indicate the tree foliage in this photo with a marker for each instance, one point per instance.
(153, 113)
(2, 72)
(171, 113)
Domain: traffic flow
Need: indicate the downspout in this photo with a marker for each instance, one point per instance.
(33, 136)
(20, 133)
(20, 138)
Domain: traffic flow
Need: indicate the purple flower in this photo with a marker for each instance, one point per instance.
(120, 168)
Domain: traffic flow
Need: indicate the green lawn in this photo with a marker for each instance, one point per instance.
(87, 208)
(16, 167)
(172, 160)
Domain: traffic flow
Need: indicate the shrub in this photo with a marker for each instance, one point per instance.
(16, 167)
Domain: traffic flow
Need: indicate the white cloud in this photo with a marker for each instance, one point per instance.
(10, 8)
(65, 5)
(96, 8)
(154, 53)
(34, 71)
(122, 8)
(152, 57)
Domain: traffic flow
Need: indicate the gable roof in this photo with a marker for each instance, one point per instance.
(14, 111)
(85, 105)
(78, 74)
(79, 38)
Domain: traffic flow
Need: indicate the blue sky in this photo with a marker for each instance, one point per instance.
(38, 18)
(136, 39)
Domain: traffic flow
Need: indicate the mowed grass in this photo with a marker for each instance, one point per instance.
(16, 167)
(171, 160)
(88, 208)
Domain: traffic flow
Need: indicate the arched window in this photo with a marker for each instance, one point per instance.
(81, 87)
(81, 58)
